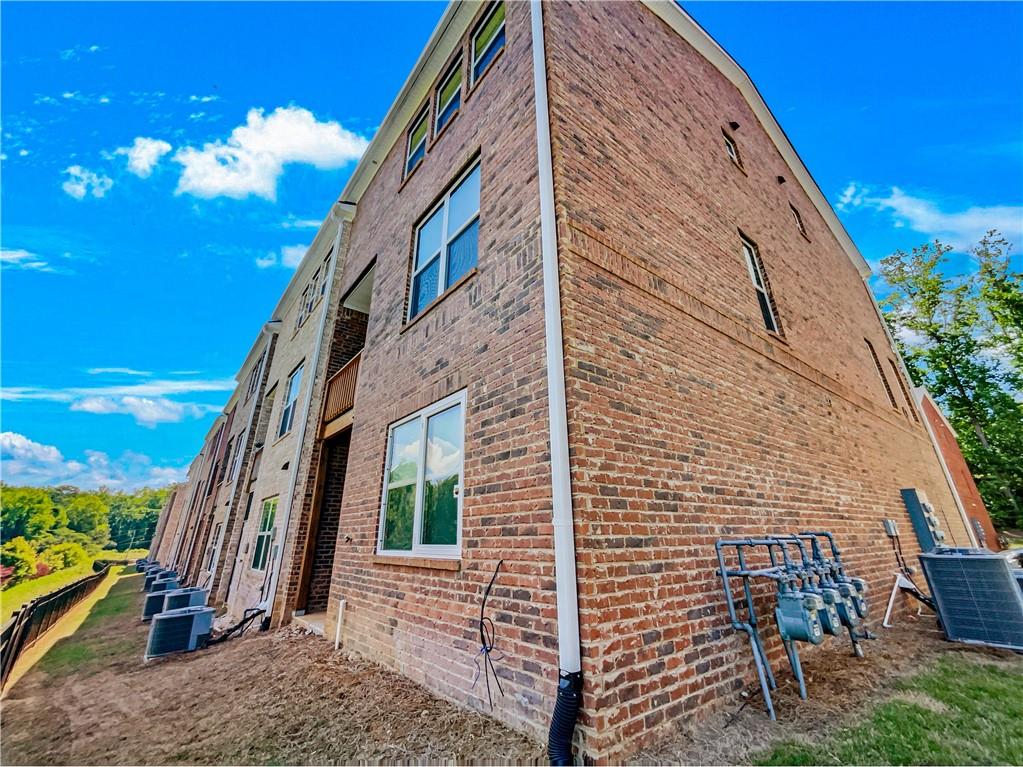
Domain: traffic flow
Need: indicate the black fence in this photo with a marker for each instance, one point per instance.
(36, 617)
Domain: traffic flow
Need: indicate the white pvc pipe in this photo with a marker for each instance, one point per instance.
(561, 478)
(340, 620)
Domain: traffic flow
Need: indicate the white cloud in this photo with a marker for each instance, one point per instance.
(82, 182)
(202, 99)
(293, 222)
(144, 154)
(118, 371)
(23, 153)
(23, 259)
(292, 255)
(253, 157)
(146, 411)
(265, 262)
(961, 229)
(75, 53)
(155, 388)
(26, 462)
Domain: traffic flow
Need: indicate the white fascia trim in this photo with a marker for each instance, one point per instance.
(561, 475)
(690, 31)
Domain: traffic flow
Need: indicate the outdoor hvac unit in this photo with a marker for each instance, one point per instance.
(164, 584)
(153, 604)
(180, 630)
(977, 596)
(150, 580)
(190, 597)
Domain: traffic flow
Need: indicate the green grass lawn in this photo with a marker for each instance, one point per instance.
(961, 712)
(13, 598)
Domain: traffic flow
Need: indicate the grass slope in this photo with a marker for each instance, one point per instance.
(13, 598)
(961, 712)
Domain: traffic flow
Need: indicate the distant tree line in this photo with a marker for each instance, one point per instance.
(960, 328)
(54, 528)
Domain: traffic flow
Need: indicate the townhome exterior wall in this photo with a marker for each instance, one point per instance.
(484, 337)
(688, 420)
(169, 515)
(294, 347)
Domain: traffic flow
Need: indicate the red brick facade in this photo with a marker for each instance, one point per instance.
(688, 420)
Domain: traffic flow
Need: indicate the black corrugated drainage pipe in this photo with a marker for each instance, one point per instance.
(566, 711)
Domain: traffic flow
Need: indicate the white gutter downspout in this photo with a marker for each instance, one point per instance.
(570, 681)
(918, 408)
(341, 213)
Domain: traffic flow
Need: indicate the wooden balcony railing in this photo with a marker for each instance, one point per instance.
(341, 390)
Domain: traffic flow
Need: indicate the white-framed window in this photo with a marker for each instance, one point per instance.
(290, 401)
(447, 242)
(237, 463)
(416, 148)
(732, 149)
(265, 534)
(880, 374)
(449, 96)
(487, 40)
(302, 309)
(798, 219)
(759, 278)
(421, 504)
(326, 271)
(314, 292)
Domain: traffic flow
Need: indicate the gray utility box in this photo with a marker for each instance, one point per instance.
(977, 596)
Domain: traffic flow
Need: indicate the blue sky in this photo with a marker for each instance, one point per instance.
(136, 269)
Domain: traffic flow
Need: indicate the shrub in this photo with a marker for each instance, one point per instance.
(19, 555)
(64, 556)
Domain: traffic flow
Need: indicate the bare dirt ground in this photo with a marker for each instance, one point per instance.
(279, 698)
(840, 690)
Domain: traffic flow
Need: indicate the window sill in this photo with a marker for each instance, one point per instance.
(474, 84)
(805, 235)
(281, 438)
(428, 563)
(430, 306)
(739, 166)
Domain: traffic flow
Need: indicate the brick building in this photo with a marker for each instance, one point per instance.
(581, 311)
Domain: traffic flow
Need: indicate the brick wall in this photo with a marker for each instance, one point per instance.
(486, 337)
(688, 420)
(959, 470)
(327, 523)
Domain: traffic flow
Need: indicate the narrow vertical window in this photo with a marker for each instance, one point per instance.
(798, 219)
(731, 149)
(449, 96)
(759, 278)
(904, 388)
(881, 375)
(421, 506)
(417, 142)
(447, 243)
(290, 401)
(264, 536)
(487, 40)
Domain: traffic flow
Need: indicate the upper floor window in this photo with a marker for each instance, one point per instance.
(449, 96)
(798, 219)
(416, 150)
(290, 399)
(880, 372)
(325, 272)
(265, 534)
(422, 498)
(759, 277)
(732, 149)
(447, 242)
(487, 40)
(254, 379)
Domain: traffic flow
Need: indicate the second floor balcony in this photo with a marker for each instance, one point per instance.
(339, 398)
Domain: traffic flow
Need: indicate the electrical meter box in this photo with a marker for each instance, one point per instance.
(926, 524)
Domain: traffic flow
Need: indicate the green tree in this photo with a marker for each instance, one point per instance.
(87, 513)
(25, 512)
(18, 554)
(64, 556)
(943, 324)
(1001, 292)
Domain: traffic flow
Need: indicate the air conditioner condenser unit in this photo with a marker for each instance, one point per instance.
(188, 597)
(182, 630)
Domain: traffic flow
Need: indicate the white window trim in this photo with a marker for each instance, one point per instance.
(300, 368)
(424, 117)
(455, 69)
(445, 241)
(419, 549)
(271, 533)
(732, 149)
(798, 218)
(756, 274)
(477, 55)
